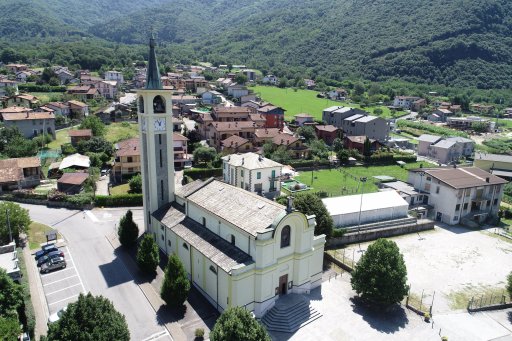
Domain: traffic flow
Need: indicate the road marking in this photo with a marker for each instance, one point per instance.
(67, 298)
(56, 273)
(92, 216)
(157, 335)
(59, 280)
(79, 278)
(51, 293)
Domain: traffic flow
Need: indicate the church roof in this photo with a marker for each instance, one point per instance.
(153, 76)
(213, 247)
(245, 210)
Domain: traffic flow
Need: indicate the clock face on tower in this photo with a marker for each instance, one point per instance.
(159, 124)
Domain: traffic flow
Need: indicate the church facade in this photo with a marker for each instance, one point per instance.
(239, 249)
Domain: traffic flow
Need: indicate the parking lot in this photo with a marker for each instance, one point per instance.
(62, 286)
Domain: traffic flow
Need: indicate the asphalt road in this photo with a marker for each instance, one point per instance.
(101, 271)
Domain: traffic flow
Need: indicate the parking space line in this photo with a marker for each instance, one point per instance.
(56, 291)
(157, 335)
(59, 280)
(74, 266)
(65, 299)
(56, 272)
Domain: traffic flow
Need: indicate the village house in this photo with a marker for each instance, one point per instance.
(310, 84)
(211, 97)
(126, 159)
(294, 145)
(444, 150)
(72, 183)
(231, 114)
(185, 99)
(64, 75)
(237, 90)
(468, 123)
(78, 109)
(374, 127)
(327, 133)
(439, 115)
(336, 114)
(303, 118)
(77, 162)
(29, 122)
(21, 76)
(23, 100)
(193, 84)
(6, 84)
(59, 108)
(357, 142)
(107, 89)
(248, 97)
(274, 116)
(270, 79)
(338, 94)
(79, 135)
(13, 68)
(19, 173)
(254, 173)
(87, 79)
(219, 131)
(265, 134)
(459, 195)
(409, 102)
(482, 108)
(507, 112)
(497, 164)
(84, 92)
(236, 144)
(115, 76)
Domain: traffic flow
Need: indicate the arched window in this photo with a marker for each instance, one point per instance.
(285, 236)
(141, 105)
(185, 246)
(158, 105)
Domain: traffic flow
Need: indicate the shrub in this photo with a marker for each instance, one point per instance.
(135, 184)
(28, 194)
(309, 163)
(67, 149)
(148, 256)
(55, 195)
(199, 333)
(430, 128)
(121, 200)
(338, 232)
(81, 199)
(197, 173)
(128, 231)
(509, 284)
(236, 323)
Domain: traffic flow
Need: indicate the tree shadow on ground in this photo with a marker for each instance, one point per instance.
(510, 316)
(387, 320)
(166, 314)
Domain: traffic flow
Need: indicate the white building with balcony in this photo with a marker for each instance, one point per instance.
(253, 173)
(457, 194)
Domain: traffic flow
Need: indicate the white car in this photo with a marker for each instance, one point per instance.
(57, 315)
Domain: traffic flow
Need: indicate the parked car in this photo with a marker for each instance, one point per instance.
(57, 315)
(44, 250)
(52, 264)
(46, 258)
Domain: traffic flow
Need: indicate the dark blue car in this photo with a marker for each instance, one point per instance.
(45, 250)
(50, 255)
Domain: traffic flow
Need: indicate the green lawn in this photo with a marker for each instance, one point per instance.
(121, 189)
(45, 97)
(37, 235)
(345, 180)
(304, 101)
(121, 131)
(62, 136)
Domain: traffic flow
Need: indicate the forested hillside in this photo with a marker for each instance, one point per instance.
(456, 43)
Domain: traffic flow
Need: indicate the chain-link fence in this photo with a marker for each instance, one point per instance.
(487, 300)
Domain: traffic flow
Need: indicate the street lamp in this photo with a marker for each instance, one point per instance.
(361, 180)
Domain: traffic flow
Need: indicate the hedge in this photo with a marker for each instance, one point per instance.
(199, 173)
(430, 128)
(26, 314)
(308, 163)
(41, 88)
(121, 200)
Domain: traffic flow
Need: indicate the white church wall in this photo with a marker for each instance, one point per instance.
(223, 289)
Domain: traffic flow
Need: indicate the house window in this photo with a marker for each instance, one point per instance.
(161, 227)
(456, 218)
(212, 269)
(130, 159)
(258, 175)
(185, 246)
(437, 189)
(169, 243)
(488, 203)
(161, 161)
(457, 207)
(429, 178)
(162, 237)
(465, 206)
(495, 202)
(285, 236)
(242, 173)
(232, 240)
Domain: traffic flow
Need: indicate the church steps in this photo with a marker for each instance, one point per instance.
(291, 316)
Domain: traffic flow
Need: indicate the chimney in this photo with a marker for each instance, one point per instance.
(487, 179)
(260, 158)
(289, 206)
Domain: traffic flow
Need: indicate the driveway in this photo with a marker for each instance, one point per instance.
(101, 271)
(102, 185)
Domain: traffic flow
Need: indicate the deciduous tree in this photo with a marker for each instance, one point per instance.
(11, 296)
(380, 276)
(95, 124)
(135, 184)
(90, 318)
(309, 203)
(236, 324)
(17, 217)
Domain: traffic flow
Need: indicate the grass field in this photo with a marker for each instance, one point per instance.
(305, 101)
(61, 137)
(121, 189)
(45, 97)
(121, 131)
(37, 235)
(345, 180)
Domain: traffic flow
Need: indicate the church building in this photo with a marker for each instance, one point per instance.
(239, 249)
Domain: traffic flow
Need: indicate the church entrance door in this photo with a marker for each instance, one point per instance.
(283, 284)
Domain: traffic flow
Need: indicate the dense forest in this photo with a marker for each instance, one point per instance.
(459, 43)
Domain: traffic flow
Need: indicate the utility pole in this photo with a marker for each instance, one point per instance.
(362, 180)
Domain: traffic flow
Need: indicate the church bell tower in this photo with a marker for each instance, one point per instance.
(154, 106)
